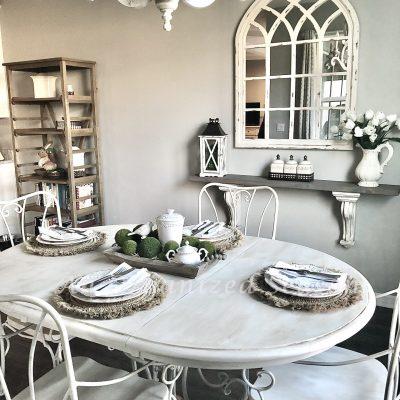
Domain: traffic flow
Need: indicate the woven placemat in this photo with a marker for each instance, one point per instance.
(63, 301)
(33, 246)
(260, 289)
(233, 241)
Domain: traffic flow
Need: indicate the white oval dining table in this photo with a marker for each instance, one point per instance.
(209, 322)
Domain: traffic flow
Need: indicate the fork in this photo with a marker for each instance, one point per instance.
(113, 274)
(68, 230)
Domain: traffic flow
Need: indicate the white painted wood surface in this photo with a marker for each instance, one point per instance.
(209, 322)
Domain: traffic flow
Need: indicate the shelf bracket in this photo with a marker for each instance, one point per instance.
(348, 209)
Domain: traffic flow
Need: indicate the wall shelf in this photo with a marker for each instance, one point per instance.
(346, 193)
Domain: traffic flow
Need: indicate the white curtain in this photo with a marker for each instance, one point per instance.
(309, 60)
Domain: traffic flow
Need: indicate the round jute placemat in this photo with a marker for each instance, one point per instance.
(260, 289)
(33, 246)
(64, 302)
(234, 240)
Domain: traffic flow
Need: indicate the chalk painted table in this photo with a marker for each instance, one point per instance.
(209, 322)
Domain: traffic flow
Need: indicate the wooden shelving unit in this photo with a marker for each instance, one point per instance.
(87, 136)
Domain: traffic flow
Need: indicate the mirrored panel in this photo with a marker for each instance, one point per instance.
(298, 75)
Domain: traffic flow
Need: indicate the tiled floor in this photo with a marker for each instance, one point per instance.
(372, 339)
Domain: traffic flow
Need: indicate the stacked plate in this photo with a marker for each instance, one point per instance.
(308, 281)
(59, 236)
(120, 284)
(209, 231)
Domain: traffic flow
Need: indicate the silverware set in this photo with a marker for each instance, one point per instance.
(117, 273)
(204, 228)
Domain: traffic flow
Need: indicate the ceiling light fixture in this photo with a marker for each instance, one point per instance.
(167, 7)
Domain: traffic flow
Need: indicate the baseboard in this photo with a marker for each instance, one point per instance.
(387, 301)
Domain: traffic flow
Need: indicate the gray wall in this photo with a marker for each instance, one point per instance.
(156, 90)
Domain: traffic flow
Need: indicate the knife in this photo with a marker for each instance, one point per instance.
(106, 279)
(307, 272)
(199, 227)
(204, 228)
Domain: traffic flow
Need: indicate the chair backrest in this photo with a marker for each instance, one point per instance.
(233, 196)
(19, 207)
(51, 315)
(392, 382)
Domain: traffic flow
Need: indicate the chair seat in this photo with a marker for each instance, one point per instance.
(365, 380)
(54, 384)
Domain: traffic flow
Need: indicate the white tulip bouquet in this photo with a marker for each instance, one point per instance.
(369, 130)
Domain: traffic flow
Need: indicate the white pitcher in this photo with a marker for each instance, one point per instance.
(370, 170)
(44, 86)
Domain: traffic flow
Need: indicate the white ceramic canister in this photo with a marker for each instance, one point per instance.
(277, 165)
(290, 166)
(305, 167)
(170, 227)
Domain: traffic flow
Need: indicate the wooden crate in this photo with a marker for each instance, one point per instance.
(171, 268)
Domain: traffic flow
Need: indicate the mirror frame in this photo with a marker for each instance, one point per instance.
(248, 19)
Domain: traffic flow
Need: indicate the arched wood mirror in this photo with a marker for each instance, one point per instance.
(296, 73)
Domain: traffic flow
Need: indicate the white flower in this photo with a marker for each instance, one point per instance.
(391, 118)
(369, 114)
(361, 119)
(350, 125)
(380, 115)
(334, 129)
(369, 130)
(351, 115)
(347, 136)
(374, 121)
(373, 137)
(358, 132)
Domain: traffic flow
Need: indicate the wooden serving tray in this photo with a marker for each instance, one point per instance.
(171, 268)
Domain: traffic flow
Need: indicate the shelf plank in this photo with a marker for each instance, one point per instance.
(37, 178)
(50, 210)
(79, 99)
(88, 210)
(82, 132)
(49, 64)
(34, 100)
(83, 180)
(38, 131)
(317, 185)
(85, 166)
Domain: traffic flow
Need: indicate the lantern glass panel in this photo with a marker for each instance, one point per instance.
(211, 154)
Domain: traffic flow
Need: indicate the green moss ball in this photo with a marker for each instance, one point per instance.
(193, 241)
(149, 247)
(208, 246)
(121, 236)
(129, 247)
(171, 245)
(162, 257)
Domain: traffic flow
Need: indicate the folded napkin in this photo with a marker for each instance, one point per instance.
(54, 234)
(137, 281)
(291, 277)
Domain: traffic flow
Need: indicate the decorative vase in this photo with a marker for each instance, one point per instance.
(370, 170)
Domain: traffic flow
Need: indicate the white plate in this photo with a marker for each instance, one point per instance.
(128, 294)
(223, 234)
(283, 287)
(299, 293)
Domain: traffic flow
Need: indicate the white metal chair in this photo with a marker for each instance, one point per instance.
(18, 206)
(338, 373)
(233, 196)
(78, 378)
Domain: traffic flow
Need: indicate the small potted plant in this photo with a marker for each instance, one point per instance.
(372, 132)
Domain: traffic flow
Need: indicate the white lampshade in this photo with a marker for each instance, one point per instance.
(199, 3)
(1, 157)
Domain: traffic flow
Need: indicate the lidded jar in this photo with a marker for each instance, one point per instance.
(305, 167)
(170, 227)
(277, 165)
(290, 166)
